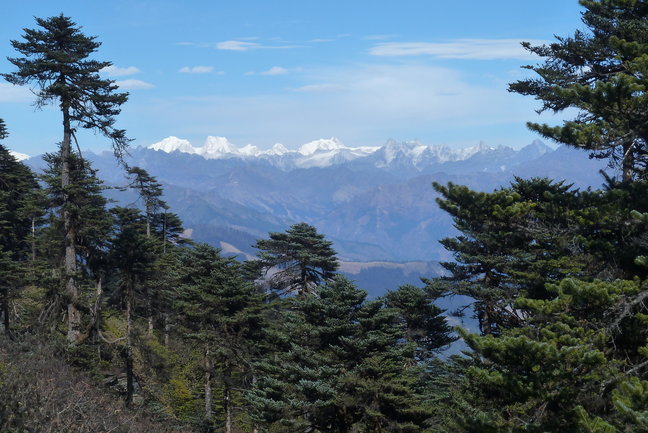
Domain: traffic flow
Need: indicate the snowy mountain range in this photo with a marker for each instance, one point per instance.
(376, 203)
(328, 152)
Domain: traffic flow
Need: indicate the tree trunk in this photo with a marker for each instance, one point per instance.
(164, 240)
(33, 239)
(255, 429)
(628, 162)
(5, 311)
(149, 313)
(71, 290)
(130, 389)
(147, 293)
(227, 407)
(167, 329)
(208, 389)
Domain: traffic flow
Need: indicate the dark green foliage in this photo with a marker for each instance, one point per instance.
(340, 364)
(3, 130)
(559, 373)
(149, 190)
(602, 73)
(424, 324)
(298, 259)
(132, 253)
(56, 60)
(512, 240)
(86, 205)
(17, 192)
(221, 312)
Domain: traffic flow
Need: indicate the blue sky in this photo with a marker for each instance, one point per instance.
(263, 72)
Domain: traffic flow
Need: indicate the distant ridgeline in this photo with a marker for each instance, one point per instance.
(375, 203)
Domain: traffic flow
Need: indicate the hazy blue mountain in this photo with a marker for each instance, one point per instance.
(375, 203)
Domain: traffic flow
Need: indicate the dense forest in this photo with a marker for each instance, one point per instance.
(113, 321)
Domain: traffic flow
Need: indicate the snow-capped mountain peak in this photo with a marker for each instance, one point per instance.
(324, 144)
(249, 150)
(216, 147)
(19, 156)
(172, 144)
(393, 155)
(277, 149)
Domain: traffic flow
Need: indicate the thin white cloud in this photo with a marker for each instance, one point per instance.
(199, 70)
(478, 49)
(378, 37)
(325, 87)
(11, 93)
(275, 70)
(114, 71)
(246, 46)
(236, 45)
(133, 84)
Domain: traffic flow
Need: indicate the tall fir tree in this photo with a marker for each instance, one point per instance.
(56, 59)
(222, 313)
(512, 240)
(132, 256)
(91, 222)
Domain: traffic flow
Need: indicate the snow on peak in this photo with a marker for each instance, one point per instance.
(331, 151)
(215, 147)
(324, 144)
(19, 156)
(277, 149)
(172, 144)
(249, 150)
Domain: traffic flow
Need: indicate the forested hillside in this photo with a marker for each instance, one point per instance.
(113, 321)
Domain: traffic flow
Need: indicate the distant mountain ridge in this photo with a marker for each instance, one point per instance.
(328, 152)
(374, 203)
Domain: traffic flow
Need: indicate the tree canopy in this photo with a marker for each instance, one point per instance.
(298, 259)
(602, 73)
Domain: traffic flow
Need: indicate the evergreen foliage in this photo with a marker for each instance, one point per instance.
(222, 314)
(424, 324)
(56, 60)
(601, 72)
(558, 277)
(340, 364)
(17, 186)
(298, 259)
(512, 240)
(559, 372)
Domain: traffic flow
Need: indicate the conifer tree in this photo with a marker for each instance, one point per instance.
(150, 191)
(132, 256)
(56, 60)
(513, 239)
(568, 368)
(17, 183)
(424, 324)
(300, 258)
(340, 364)
(88, 218)
(222, 313)
(601, 72)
